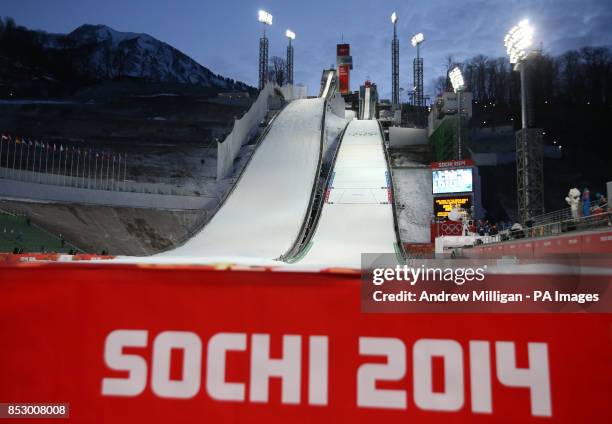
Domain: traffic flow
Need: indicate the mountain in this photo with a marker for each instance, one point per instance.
(96, 53)
(108, 54)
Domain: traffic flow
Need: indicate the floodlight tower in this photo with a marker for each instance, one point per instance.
(291, 36)
(417, 67)
(395, 100)
(529, 169)
(266, 19)
(456, 78)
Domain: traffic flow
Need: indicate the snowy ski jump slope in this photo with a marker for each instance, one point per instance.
(263, 215)
(357, 216)
(328, 83)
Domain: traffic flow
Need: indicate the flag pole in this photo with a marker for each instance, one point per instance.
(14, 157)
(124, 170)
(53, 165)
(113, 174)
(2, 138)
(28, 155)
(71, 164)
(20, 159)
(77, 166)
(107, 172)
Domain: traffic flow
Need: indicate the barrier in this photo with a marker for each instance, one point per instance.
(586, 243)
(128, 344)
(20, 190)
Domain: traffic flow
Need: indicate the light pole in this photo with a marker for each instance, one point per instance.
(456, 78)
(395, 65)
(518, 41)
(291, 36)
(529, 169)
(418, 70)
(266, 19)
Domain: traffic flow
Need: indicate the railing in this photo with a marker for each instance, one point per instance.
(598, 220)
(315, 205)
(562, 214)
(91, 183)
(400, 246)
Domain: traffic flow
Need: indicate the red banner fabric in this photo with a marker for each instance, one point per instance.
(127, 344)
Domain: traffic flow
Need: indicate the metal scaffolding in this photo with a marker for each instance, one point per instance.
(417, 65)
(263, 61)
(395, 100)
(289, 63)
(529, 173)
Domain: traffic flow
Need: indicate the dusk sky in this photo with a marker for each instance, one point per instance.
(223, 35)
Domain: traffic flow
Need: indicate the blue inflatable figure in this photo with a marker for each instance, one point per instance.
(586, 202)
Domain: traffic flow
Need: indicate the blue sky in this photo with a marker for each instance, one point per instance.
(223, 35)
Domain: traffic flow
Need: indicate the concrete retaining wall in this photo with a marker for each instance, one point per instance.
(47, 193)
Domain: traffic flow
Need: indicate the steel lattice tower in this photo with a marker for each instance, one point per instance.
(529, 173)
(529, 164)
(417, 65)
(263, 61)
(395, 100)
(289, 63)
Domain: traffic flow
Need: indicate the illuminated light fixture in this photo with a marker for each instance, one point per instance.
(290, 34)
(417, 39)
(518, 41)
(393, 17)
(265, 17)
(456, 78)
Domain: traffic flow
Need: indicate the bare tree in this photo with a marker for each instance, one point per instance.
(277, 70)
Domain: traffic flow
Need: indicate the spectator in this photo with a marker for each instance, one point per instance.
(601, 200)
(493, 230)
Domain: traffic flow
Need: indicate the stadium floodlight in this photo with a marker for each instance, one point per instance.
(291, 36)
(458, 83)
(265, 17)
(518, 41)
(393, 17)
(417, 69)
(417, 39)
(456, 78)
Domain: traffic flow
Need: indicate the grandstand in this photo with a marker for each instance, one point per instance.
(18, 232)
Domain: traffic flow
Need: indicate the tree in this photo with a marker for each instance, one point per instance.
(277, 70)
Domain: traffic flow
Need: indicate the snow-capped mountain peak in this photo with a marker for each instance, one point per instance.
(104, 52)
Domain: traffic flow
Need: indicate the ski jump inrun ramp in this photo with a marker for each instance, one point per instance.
(263, 215)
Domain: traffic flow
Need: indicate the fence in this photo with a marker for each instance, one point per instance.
(594, 221)
(564, 214)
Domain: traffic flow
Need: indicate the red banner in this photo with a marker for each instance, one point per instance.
(452, 164)
(343, 49)
(343, 76)
(128, 344)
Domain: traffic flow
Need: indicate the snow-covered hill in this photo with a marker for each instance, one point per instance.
(100, 52)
